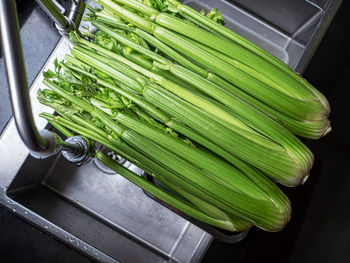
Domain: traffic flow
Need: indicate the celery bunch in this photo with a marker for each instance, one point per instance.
(206, 112)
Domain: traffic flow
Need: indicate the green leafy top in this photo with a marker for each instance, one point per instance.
(215, 15)
(59, 104)
(162, 6)
(67, 76)
(158, 4)
(104, 40)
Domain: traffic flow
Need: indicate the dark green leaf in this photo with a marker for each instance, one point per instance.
(49, 74)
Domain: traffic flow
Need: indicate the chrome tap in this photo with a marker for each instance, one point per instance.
(43, 143)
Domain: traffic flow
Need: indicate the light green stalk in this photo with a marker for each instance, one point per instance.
(273, 191)
(216, 217)
(307, 129)
(166, 197)
(291, 142)
(220, 29)
(290, 106)
(230, 200)
(232, 122)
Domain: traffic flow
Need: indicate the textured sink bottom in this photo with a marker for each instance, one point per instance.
(107, 212)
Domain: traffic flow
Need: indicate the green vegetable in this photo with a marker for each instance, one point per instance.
(216, 217)
(176, 202)
(196, 16)
(293, 172)
(206, 183)
(203, 111)
(308, 107)
(308, 129)
(174, 124)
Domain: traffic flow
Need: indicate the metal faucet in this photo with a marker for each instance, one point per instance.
(64, 24)
(44, 143)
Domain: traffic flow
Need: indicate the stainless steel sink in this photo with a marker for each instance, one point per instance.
(106, 217)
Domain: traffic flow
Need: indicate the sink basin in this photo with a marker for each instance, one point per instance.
(101, 214)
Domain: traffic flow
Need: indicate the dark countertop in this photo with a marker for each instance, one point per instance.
(319, 230)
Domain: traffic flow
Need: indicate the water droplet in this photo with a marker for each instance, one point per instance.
(26, 212)
(71, 239)
(78, 244)
(65, 236)
(46, 226)
(85, 247)
(95, 253)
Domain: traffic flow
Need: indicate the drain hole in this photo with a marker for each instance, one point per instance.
(112, 155)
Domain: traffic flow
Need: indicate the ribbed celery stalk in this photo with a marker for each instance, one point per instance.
(231, 222)
(223, 30)
(297, 83)
(257, 177)
(282, 157)
(293, 107)
(60, 128)
(241, 56)
(203, 20)
(279, 84)
(254, 117)
(166, 197)
(156, 43)
(215, 217)
(307, 129)
(207, 162)
(254, 175)
(147, 64)
(196, 80)
(229, 201)
(203, 206)
(221, 136)
(199, 121)
(202, 84)
(262, 213)
(234, 123)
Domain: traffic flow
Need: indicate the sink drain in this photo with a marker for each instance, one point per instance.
(112, 155)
